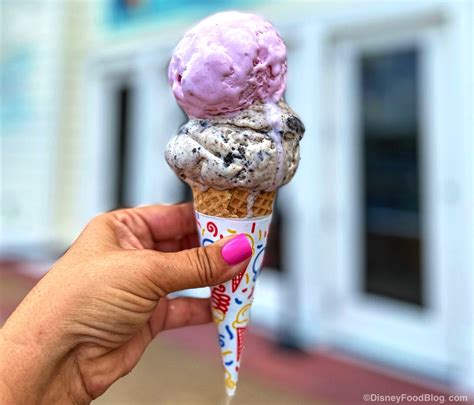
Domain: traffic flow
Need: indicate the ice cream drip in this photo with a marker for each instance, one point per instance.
(273, 118)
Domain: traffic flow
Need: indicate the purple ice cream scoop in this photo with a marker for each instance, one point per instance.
(227, 62)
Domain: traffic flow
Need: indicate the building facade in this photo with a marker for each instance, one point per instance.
(373, 240)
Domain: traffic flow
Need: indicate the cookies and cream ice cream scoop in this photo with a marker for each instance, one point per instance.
(226, 152)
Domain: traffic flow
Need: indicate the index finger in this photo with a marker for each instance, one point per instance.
(168, 221)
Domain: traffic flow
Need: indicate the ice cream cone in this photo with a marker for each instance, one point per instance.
(241, 138)
(233, 203)
(231, 301)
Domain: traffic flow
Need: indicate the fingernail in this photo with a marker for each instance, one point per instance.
(237, 250)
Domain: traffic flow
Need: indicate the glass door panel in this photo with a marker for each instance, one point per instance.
(389, 136)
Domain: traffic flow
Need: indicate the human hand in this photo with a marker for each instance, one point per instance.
(89, 320)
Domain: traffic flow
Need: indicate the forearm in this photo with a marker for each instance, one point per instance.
(6, 392)
(36, 357)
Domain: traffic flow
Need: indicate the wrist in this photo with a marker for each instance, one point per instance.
(36, 354)
(43, 377)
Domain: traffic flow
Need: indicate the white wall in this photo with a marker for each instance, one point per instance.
(29, 122)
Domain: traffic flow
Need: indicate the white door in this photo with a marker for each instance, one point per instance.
(131, 116)
(389, 280)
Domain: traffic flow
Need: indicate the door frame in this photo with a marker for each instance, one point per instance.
(341, 323)
(154, 116)
(363, 317)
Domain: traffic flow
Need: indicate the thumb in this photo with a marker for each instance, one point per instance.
(200, 267)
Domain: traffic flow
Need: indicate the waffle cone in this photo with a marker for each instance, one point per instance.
(232, 203)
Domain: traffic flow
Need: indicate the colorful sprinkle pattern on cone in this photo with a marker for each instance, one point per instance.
(231, 301)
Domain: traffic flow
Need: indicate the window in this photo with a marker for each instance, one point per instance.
(122, 98)
(391, 216)
(187, 192)
(273, 251)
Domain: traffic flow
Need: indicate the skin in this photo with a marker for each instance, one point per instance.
(90, 319)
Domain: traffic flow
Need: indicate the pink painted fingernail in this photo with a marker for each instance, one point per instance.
(237, 250)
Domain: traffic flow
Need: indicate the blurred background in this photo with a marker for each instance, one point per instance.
(368, 283)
